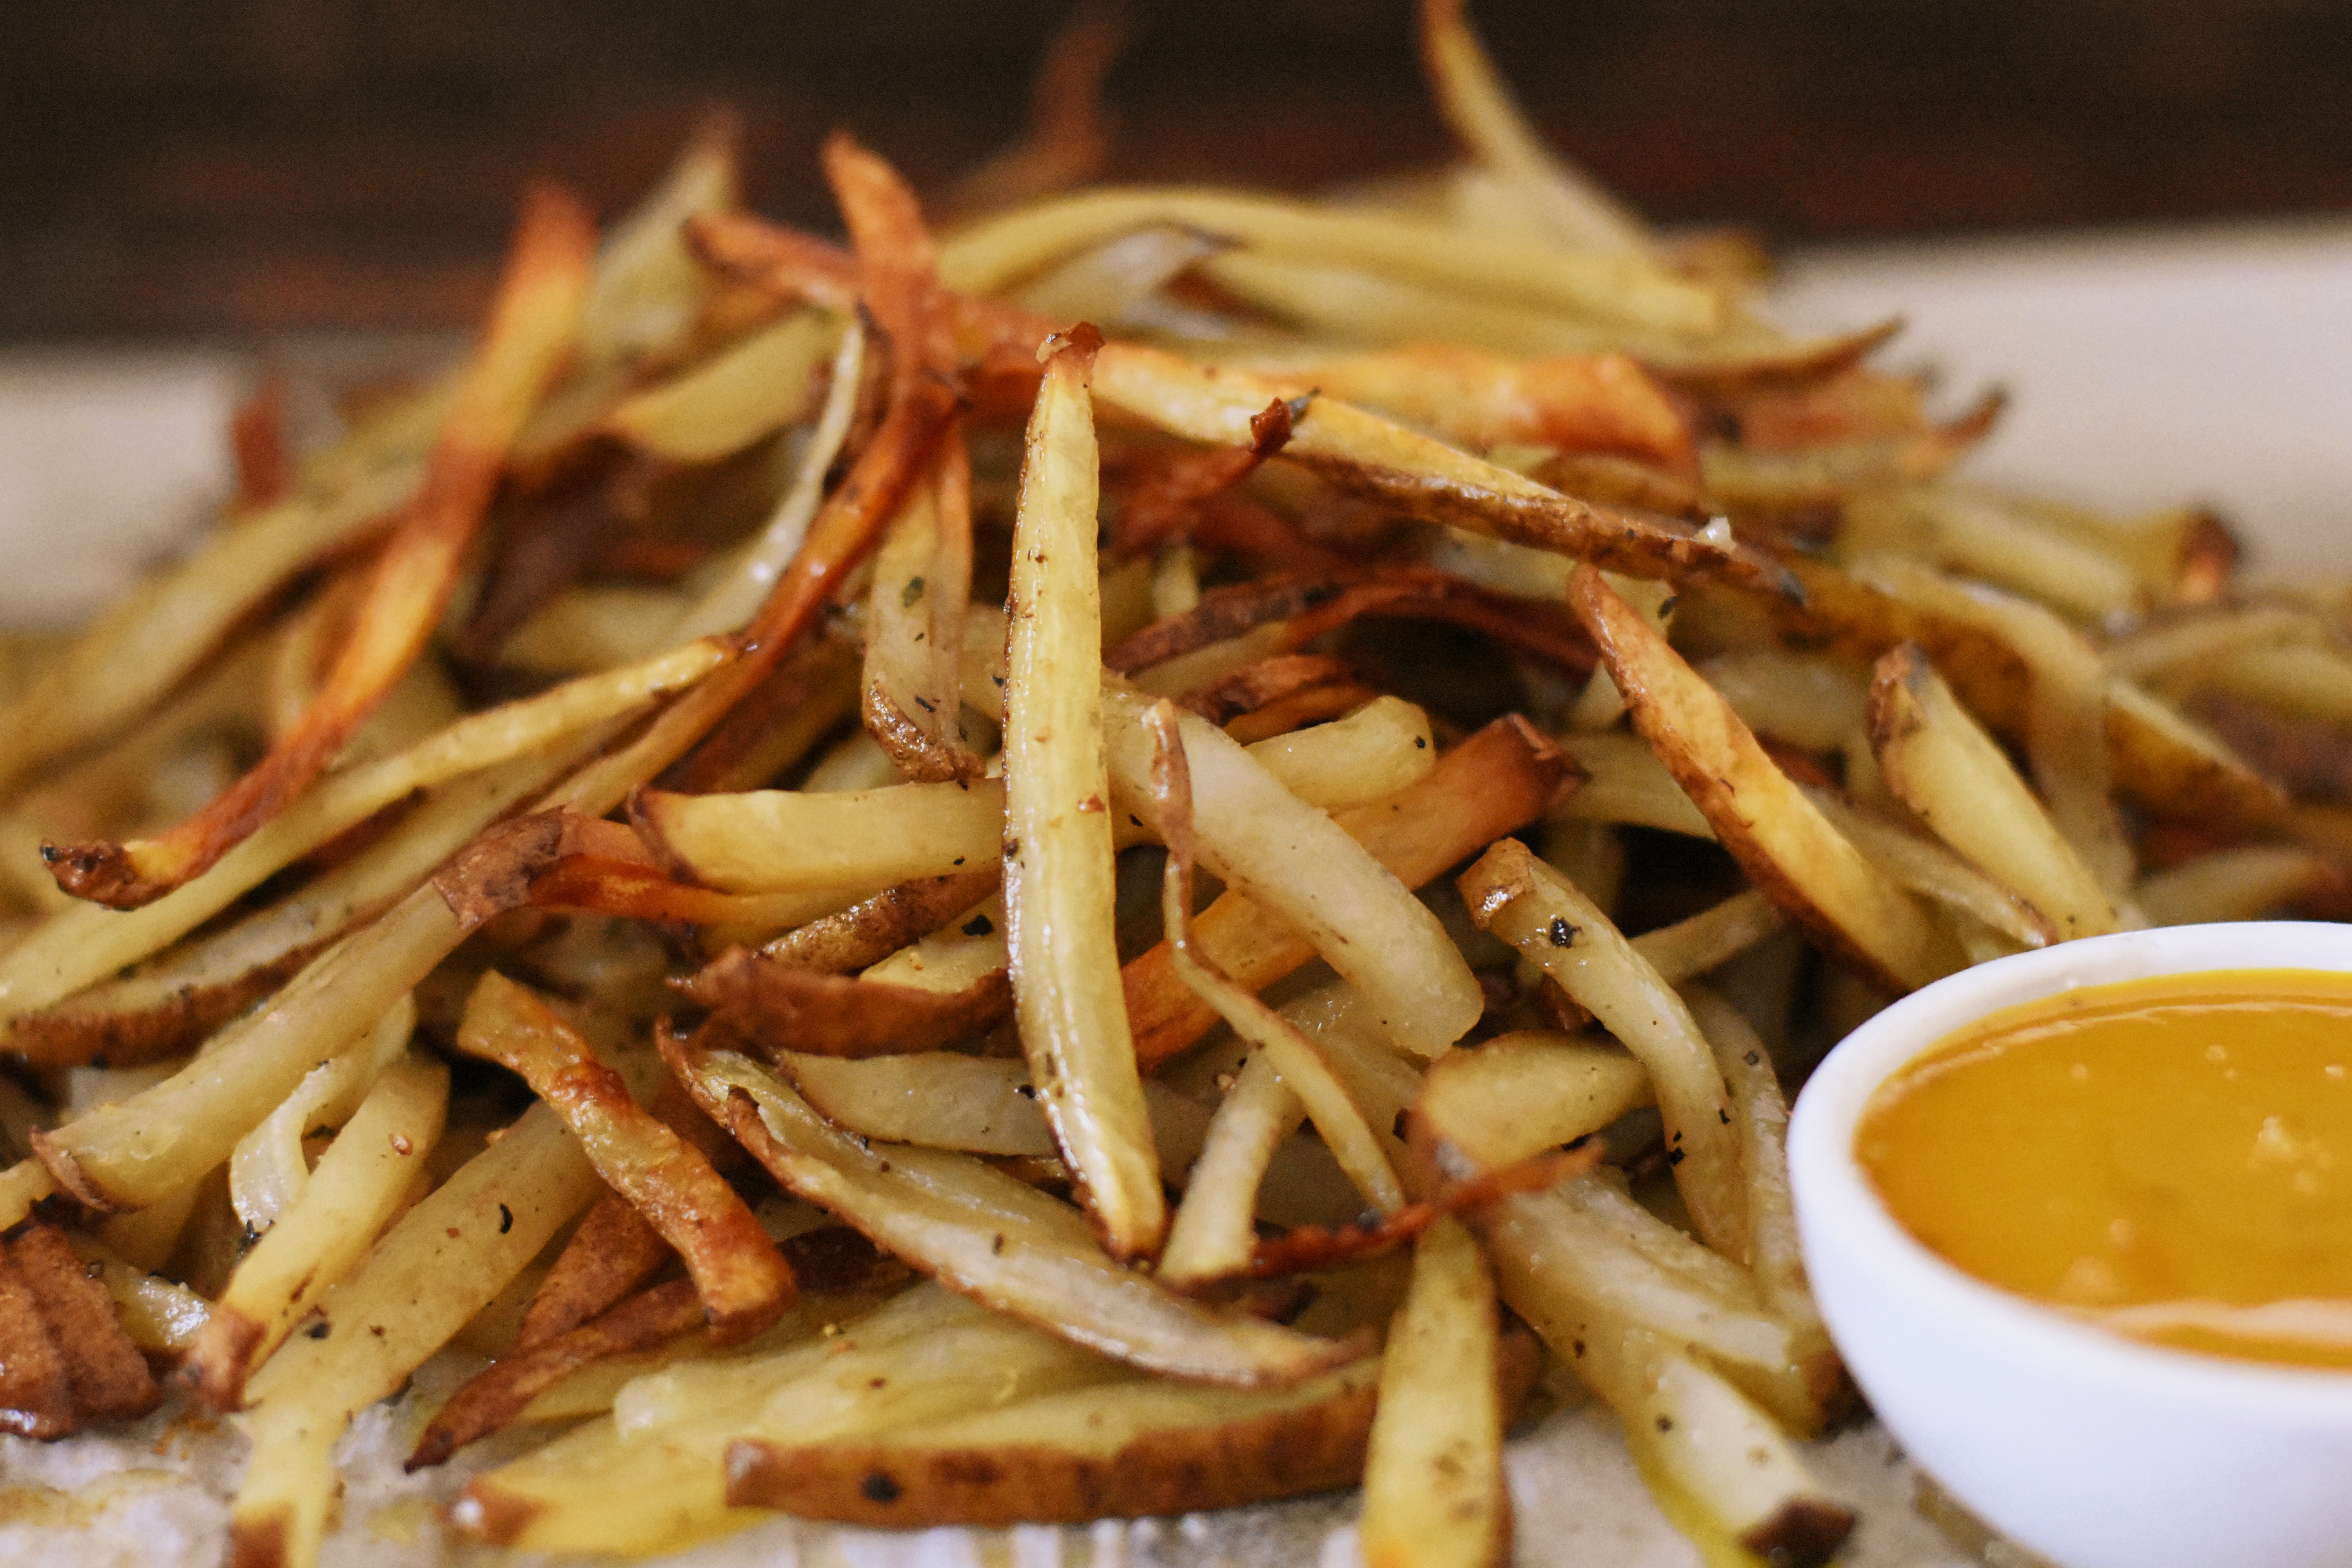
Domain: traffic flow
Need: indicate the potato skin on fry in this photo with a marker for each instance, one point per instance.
(1233, 1448)
(1288, 1454)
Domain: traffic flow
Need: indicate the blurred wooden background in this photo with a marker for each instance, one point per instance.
(188, 168)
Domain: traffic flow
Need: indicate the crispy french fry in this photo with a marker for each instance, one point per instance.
(35, 1400)
(1058, 894)
(1124, 1450)
(533, 323)
(1943, 765)
(105, 1375)
(742, 1280)
(1779, 838)
(500, 1394)
(614, 1250)
(798, 1010)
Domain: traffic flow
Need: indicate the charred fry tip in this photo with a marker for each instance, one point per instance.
(102, 872)
(1804, 1533)
(257, 1543)
(216, 1368)
(1085, 340)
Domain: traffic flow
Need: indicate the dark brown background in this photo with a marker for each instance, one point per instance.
(189, 168)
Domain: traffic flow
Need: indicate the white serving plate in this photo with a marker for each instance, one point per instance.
(2211, 365)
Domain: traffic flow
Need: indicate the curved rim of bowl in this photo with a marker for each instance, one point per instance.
(1832, 1193)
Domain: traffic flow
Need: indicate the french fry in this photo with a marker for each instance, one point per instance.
(104, 1373)
(1363, 454)
(35, 1400)
(1434, 1489)
(614, 1250)
(1761, 1114)
(500, 1394)
(1521, 1093)
(1125, 1450)
(754, 388)
(654, 1476)
(160, 1140)
(987, 1235)
(531, 325)
(361, 1182)
(1569, 205)
(1058, 894)
(1336, 1117)
(784, 1009)
(269, 1170)
(1301, 865)
(1603, 403)
(1782, 843)
(794, 840)
(742, 1280)
(438, 1266)
(1214, 1228)
(873, 928)
(1943, 765)
(1491, 784)
(1521, 899)
(1929, 868)
(1713, 936)
(2241, 884)
(986, 259)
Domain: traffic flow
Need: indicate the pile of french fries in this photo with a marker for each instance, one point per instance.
(1171, 849)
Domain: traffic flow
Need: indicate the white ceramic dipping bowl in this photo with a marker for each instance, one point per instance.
(2094, 1450)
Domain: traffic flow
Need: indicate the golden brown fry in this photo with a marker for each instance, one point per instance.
(781, 1008)
(2163, 765)
(873, 928)
(1129, 1450)
(531, 325)
(742, 1280)
(497, 1395)
(1785, 846)
(614, 1250)
(1362, 454)
(1596, 404)
(1941, 764)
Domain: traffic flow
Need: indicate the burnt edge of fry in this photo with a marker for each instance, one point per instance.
(1804, 1533)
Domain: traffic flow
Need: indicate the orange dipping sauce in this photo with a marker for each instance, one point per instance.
(2168, 1158)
